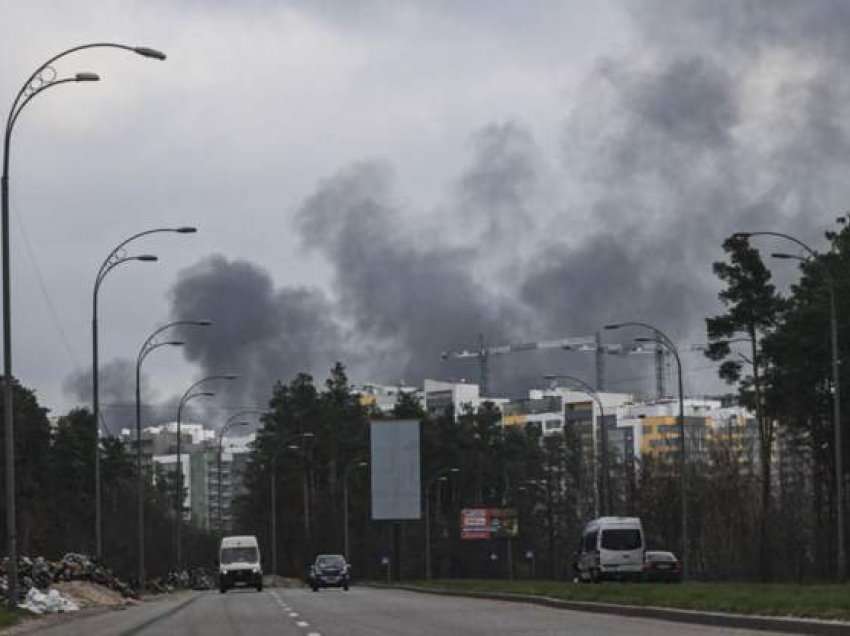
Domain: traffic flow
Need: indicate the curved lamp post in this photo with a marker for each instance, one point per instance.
(550, 520)
(440, 475)
(231, 421)
(606, 499)
(662, 339)
(288, 444)
(836, 384)
(188, 395)
(115, 258)
(357, 463)
(43, 78)
(149, 345)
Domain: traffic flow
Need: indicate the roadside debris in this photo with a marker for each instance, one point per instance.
(37, 575)
(52, 602)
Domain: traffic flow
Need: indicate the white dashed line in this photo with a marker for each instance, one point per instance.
(314, 634)
(293, 614)
(303, 624)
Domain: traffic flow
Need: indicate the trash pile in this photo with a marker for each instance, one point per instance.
(36, 576)
(51, 602)
(200, 579)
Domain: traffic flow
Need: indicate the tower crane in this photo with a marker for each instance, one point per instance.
(579, 343)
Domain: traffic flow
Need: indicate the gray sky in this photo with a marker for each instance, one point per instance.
(377, 181)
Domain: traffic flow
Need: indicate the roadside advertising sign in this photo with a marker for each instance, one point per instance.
(488, 523)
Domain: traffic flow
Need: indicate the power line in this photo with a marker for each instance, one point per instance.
(54, 315)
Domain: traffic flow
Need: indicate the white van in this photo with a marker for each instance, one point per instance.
(611, 548)
(239, 563)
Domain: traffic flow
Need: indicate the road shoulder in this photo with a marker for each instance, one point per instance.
(788, 625)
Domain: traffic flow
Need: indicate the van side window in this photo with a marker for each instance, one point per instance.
(590, 542)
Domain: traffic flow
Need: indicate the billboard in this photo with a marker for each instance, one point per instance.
(488, 523)
(396, 491)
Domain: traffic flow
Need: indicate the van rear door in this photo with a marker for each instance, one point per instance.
(621, 547)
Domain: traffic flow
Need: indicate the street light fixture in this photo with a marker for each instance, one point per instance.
(221, 433)
(836, 382)
(606, 499)
(230, 422)
(662, 339)
(345, 475)
(148, 346)
(288, 444)
(188, 395)
(116, 257)
(43, 78)
(440, 475)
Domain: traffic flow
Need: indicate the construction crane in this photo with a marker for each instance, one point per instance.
(580, 343)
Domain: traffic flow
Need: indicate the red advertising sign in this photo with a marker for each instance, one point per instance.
(488, 523)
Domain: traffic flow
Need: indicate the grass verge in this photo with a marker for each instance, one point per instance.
(830, 602)
(9, 618)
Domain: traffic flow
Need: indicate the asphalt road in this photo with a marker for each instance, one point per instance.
(360, 612)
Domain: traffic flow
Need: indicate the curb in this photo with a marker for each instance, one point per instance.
(714, 619)
(155, 619)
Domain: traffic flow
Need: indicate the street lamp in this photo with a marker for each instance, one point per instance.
(230, 422)
(836, 384)
(188, 395)
(40, 80)
(345, 475)
(115, 258)
(288, 444)
(662, 339)
(440, 475)
(606, 498)
(550, 517)
(148, 347)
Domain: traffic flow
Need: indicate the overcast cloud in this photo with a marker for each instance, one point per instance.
(378, 181)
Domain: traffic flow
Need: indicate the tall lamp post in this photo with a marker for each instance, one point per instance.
(40, 80)
(584, 387)
(662, 339)
(189, 394)
(231, 421)
(345, 476)
(115, 258)
(550, 515)
(288, 444)
(836, 384)
(440, 475)
(149, 345)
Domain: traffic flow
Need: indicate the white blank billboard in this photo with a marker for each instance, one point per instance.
(396, 491)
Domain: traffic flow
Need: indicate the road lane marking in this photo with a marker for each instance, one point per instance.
(302, 624)
(293, 614)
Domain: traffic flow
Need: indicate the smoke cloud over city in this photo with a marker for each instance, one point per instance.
(728, 117)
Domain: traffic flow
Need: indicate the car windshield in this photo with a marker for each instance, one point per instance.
(238, 555)
(332, 561)
(621, 539)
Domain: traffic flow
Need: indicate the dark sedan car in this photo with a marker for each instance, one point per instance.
(329, 570)
(662, 567)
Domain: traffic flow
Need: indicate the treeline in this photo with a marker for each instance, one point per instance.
(55, 474)
(548, 479)
(777, 348)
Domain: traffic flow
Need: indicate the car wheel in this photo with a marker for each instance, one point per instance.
(315, 588)
(222, 589)
(595, 576)
(345, 587)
